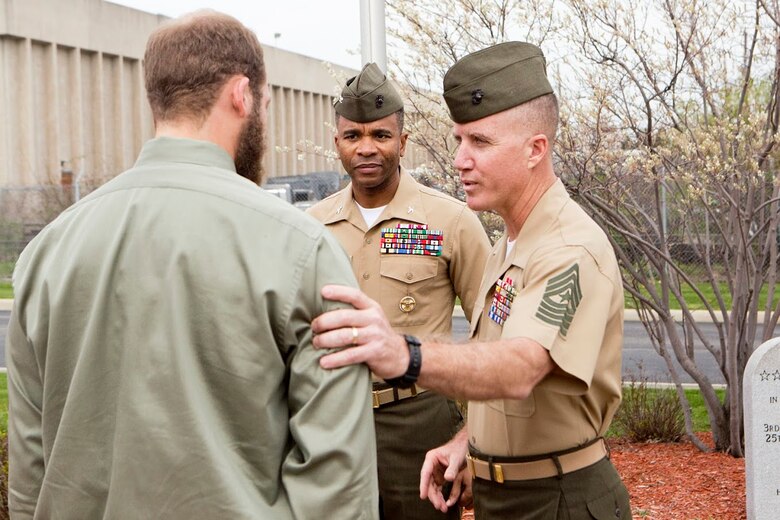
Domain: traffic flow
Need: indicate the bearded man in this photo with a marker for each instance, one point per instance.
(159, 352)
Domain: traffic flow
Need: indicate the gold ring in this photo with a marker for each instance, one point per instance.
(354, 335)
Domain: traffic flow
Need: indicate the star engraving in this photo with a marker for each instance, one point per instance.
(764, 375)
(776, 375)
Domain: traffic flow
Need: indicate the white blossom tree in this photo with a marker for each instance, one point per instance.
(668, 131)
(427, 37)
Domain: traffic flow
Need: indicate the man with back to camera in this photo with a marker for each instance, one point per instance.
(413, 249)
(159, 351)
(542, 372)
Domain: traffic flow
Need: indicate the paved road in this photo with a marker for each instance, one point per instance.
(640, 359)
(637, 351)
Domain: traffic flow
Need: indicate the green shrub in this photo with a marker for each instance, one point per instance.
(649, 414)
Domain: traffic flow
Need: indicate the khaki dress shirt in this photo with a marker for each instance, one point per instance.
(160, 361)
(567, 296)
(417, 292)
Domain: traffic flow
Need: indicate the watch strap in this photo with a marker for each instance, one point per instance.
(415, 364)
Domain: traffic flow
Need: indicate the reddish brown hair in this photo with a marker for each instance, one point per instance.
(188, 61)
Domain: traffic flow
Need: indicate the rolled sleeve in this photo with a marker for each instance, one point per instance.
(565, 303)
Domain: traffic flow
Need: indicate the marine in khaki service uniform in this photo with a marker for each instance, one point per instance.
(560, 286)
(421, 250)
(542, 369)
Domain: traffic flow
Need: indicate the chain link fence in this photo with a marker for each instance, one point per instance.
(710, 243)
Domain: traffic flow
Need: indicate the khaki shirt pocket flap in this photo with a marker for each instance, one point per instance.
(408, 270)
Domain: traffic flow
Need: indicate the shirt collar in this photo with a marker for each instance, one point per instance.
(184, 151)
(405, 205)
(539, 223)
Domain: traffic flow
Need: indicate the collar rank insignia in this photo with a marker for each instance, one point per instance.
(561, 298)
(411, 239)
(503, 295)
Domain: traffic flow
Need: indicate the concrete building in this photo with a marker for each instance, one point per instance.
(73, 107)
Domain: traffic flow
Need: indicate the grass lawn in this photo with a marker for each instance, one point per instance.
(6, 270)
(696, 303)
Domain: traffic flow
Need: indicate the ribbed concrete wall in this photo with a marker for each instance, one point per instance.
(72, 96)
(68, 108)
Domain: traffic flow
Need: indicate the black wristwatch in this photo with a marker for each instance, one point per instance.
(415, 364)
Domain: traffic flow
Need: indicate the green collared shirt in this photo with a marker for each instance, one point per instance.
(160, 361)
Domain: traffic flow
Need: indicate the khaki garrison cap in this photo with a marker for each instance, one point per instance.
(368, 96)
(494, 79)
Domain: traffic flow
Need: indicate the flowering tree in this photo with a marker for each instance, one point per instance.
(427, 37)
(668, 130)
(678, 165)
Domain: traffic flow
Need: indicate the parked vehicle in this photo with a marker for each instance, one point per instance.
(283, 191)
(304, 191)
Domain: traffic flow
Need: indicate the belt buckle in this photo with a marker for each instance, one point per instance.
(498, 472)
(375, 395)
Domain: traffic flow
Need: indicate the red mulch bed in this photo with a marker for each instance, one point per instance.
(679, 482)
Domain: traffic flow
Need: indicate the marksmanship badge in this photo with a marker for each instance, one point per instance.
(411, 239)
(503, 295)
(560, 300)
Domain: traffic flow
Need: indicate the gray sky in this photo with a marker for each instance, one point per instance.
(323, 29)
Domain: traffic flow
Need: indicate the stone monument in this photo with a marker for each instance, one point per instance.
(761, 398)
